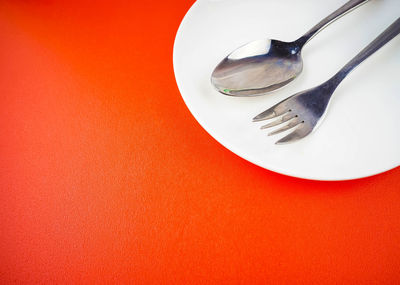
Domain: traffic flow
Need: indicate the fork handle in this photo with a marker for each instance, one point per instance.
(387, 35)
(349, 6)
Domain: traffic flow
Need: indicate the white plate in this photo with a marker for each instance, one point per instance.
(360, 135)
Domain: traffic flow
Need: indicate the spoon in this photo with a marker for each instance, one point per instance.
(265, 65)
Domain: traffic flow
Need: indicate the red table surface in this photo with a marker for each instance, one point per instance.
(106, 177)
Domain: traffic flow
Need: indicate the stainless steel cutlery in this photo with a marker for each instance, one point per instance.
(265, 65)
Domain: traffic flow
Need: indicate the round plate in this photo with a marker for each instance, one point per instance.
(360, 134)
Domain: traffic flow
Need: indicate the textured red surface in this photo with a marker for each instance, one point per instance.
(106, 177)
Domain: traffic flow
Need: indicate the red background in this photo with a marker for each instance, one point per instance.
(105, 176)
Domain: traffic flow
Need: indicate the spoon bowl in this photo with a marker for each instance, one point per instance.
(258, 67)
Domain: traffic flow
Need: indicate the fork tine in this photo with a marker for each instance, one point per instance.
(285, 118)
(291, 124)
(297, 134)
(274, 111)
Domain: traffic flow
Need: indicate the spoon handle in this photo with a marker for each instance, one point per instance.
(349, 6)
(386, 36)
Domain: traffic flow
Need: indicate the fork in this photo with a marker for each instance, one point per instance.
(305, 110)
